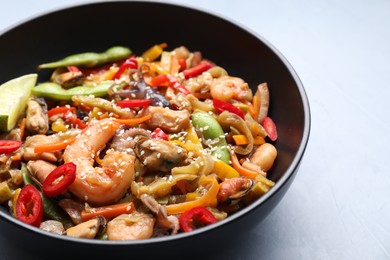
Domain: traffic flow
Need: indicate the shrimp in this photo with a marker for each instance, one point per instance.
(99, 185)
(134, 226)
(228, 88)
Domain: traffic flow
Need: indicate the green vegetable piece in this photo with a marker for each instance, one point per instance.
(90, 59)
(51, 210)
(211, 130)
(54, 91)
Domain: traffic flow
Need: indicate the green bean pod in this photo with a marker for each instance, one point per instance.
(211, 130)
(51, 210)
(54, 91)
(90, 59)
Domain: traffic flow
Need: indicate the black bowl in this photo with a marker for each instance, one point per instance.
(138, 25)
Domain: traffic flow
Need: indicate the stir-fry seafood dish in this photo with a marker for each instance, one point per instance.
(120, 146)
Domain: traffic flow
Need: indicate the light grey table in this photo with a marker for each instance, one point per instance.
(338, 206)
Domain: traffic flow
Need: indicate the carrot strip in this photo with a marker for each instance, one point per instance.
(54, 147)
(108, 212)
(133, 121)
(241, 170)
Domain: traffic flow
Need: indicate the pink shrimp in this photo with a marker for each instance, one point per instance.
(99, 185)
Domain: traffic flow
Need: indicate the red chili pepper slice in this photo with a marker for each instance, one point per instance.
(198, 69)
(130, 63)
(158, 133)
(29, 208)
(221, 106)
(168, 80)
(182, 64)
(9, 146)
(59, 180)
(196, 217)
(134, 103)
(270, 128)
(60, 110)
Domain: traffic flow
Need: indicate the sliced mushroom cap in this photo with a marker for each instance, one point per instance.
(88, 229)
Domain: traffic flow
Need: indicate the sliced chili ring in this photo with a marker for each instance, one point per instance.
(270, 128)
(29, 208)
(9, 146)
(195, 217)
(59, 180)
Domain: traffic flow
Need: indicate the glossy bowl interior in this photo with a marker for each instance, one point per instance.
(138, 25)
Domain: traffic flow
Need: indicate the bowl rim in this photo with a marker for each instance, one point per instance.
(289, 173)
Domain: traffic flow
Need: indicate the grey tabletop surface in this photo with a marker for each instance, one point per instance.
(338, 205)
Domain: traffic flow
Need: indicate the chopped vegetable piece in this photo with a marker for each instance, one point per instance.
(131, 103)
(169, 80)
(196, 217)
(270, 128)
(54, 91)
(221, 106)
(9, 146)
(59, 180)
(130, 63)
(29, 207)
(211, 130)
(197, 70)
(108, 212)
(241, 170)
(54, 147)
(158, 133)
(133, 121)
(153, 52)
(90, 59)
(60, 110)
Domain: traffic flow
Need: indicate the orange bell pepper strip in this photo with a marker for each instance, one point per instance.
(241, 170)
(209, 199)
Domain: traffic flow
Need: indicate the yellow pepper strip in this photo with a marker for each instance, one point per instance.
(192, 136)
(153, 52)
(161, 186)
(209, 199)
(224, 170)
(14, 200)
